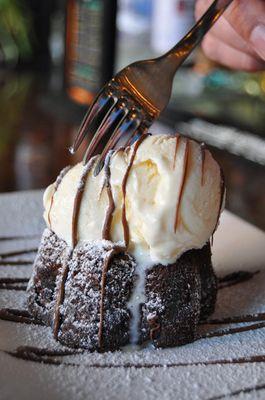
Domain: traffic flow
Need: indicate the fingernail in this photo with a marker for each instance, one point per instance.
(257, 39)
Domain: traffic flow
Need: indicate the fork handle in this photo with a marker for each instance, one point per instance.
(178, 54)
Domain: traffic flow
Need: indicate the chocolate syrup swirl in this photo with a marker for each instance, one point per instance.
(124, 183)
(22, 237)
(183, 180)
(46, 356)
(230, 331)
(13, 283)
(235, 278)
(15, 263)
(236, 319)
(4, 256)
(48, 352)
(56, 185)
(17, 253)
(20, 316)
(237, 392)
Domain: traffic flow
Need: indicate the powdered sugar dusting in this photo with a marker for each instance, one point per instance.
(85, 171)
(82, 324)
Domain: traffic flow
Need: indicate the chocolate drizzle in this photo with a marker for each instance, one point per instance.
(111, 207)
(237, 392)
(15, 263)
(202, 147)
(230, 331)
(22, 237)
(15, 315)
(75, 218)
(182, 184)
(46, 356)
(109, 215)
(124, 183)
(60, 298)
(13, 283)
(235, 278)
(4, 256)
(56, 185)
(17, 253)
(237, 319)
(78, 199)
(47, 352)
(176, 151)
(222, 193)
(105, 267)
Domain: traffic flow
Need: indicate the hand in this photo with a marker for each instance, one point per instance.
(237, 40)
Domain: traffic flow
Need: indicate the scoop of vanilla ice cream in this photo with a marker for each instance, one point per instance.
(172, 202)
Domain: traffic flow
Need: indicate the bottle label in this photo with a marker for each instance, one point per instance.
(85, 45)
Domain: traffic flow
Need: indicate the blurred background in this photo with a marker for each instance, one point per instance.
(56, 54)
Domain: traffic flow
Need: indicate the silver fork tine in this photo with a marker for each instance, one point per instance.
(110, 122)
(144, 86)
(141, 130)
(92, 114)
(128, 126)
(93, 128)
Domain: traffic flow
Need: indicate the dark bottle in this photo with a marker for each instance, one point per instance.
(90, 47)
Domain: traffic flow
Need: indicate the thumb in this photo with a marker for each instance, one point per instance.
(258, 40)
(248, 19)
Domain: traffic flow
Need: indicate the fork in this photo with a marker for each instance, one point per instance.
(129, 103)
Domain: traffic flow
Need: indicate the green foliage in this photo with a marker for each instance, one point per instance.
(14, 31)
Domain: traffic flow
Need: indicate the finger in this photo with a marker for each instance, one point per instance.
(257, 39)
(245, 15)
(223, 31)
(220, 52)
(247, 18)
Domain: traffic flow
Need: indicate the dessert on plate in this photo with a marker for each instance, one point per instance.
(126, 256)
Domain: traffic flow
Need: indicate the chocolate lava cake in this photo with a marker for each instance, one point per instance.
(104, 276)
